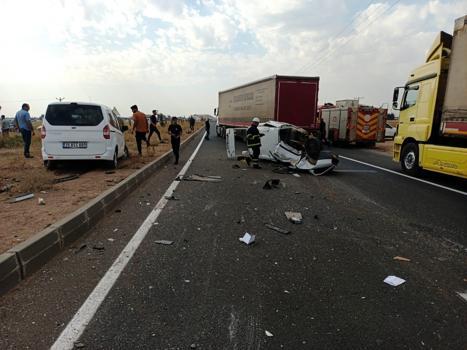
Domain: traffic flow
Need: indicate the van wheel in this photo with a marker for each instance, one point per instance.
(126, 153)
(113, 164)
(50, 164)
(409, 159)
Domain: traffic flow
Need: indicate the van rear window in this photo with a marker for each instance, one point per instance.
(74, 115)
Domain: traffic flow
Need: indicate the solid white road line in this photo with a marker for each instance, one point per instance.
(85, 314)
(407, 176)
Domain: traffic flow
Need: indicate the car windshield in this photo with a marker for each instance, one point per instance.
(74, 115)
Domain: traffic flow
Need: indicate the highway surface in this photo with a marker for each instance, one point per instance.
(319, 287)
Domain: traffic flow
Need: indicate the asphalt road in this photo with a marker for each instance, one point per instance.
(320, 287)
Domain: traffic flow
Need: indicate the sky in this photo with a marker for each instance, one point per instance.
(175, 55)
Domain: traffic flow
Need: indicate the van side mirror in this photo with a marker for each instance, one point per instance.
(395, 98)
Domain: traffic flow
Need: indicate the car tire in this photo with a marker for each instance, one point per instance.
(409, 159)
(50, 164)
(126, 153)
(113, 164)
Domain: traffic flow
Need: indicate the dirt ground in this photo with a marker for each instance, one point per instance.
(19, 175)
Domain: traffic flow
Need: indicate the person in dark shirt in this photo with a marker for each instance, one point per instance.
(175, 131)
(192, 123)
(253, 141)
(153, 127)
(207, 126)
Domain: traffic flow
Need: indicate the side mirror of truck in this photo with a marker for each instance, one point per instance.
(395, 99)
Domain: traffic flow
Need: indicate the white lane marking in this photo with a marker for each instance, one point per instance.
(407, 176)
(86, 312)
(354, 171)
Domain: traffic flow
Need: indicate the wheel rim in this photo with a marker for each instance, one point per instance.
(409, 160)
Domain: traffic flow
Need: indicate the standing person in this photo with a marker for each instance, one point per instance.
(23, 123)
(322, 131)
(2, 124)
(175, 131)
(140, 127)
(153, 127)
(207, 126)
(253, 141)
(192, 123)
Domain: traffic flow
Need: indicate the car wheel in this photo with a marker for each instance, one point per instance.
(409, 159)
(126, 153)
(50, 164)
(114, 162)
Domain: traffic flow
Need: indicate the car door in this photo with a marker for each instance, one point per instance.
(116, 135)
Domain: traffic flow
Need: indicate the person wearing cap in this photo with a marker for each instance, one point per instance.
(175, 131)
(253, 141)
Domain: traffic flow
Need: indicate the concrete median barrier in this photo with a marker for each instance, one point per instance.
(22, 260)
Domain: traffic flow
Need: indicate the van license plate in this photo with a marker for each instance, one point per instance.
(75, 145)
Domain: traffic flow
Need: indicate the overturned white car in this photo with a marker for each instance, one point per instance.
(294, 147)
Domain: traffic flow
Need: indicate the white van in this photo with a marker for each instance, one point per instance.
(84, 131)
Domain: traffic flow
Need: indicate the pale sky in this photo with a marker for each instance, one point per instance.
(176, 55)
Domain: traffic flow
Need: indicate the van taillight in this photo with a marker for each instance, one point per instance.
(106, 132)
(43, 132)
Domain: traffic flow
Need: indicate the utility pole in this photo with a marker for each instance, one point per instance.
(60, 99)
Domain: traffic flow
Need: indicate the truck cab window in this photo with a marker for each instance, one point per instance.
(410, 99)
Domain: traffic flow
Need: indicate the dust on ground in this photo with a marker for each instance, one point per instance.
(19, 175)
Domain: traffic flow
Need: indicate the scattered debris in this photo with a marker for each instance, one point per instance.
(110, 172)
(115, 229)
(269, 334)
(236, 166)
(172, 197)
(98, 246)
(40, 201)
(277, 229)
(193, 346)
(79, 345)
(202, 178)
(296, 175)
(394, 281)
(241, 220)
(401, 258)
(270, 184)
(463, 295)
(247, 238)
(22, 197)
(110, 239)
(118, 210)
(65, 178)
(186, 281)
(294, 217)
(164, 242)
(286, 292)
(6, 188)
(316, 217)
(80, 248)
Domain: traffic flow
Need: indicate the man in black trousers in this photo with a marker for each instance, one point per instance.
(175, 131)
(207, 126)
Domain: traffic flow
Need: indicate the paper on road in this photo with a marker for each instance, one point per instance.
(394, 281)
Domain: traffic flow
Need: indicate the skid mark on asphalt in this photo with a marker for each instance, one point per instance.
(78, 324)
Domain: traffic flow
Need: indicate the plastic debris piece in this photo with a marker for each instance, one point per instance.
(40, 201)
(296, 175)
(164, 242)
(394, 281)
(65, 178)
(247, 238)
(277, 229)
(22, 197)
(269, 334)
(202, 178)
(172, 197)
(272, 183)
(110, 239)
(294, 217)
(401, 258)
(463, 295)
(115, 229)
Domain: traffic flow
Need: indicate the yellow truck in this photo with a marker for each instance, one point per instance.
(432, 130)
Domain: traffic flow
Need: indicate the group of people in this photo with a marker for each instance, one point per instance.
(141, 128)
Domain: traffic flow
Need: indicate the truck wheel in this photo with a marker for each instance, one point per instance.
(409, 159)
